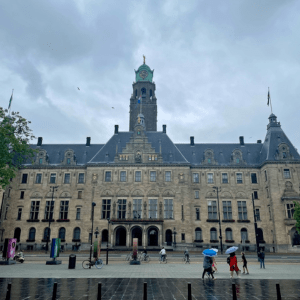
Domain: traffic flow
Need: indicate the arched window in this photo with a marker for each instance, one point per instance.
(47, 233)
(244, 235)
(198, 234)
(228, 234)
(62, 233)
(143, 90)
(31, 234)
(76, 234)
(213, 234)
(150, 93)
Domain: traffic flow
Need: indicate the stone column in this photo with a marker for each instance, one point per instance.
(128, 237)
(144, 237)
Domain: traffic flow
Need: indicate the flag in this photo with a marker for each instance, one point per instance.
(139, 101)
(10, 100)
(268, 98)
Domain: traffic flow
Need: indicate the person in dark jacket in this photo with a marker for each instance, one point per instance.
(261, 256)
(244, 261)
(207, 266)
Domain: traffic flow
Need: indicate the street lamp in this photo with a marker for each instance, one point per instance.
(174, 232)
(54, 188)
(220, 230)
(255, 225)
(108, 221)
(93, 205)
(96, 232)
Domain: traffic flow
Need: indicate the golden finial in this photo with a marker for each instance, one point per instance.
(144, 59)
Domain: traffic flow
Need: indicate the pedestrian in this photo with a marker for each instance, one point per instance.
(186, 254)
(207, 266)
(214, 265)
(162, 254)
(261, 256)
(233, 265)
(244, 261)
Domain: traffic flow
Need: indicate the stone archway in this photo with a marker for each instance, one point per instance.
(152, 236)
(169, 237)
(260, 235)
(137, 232)
(121, 236)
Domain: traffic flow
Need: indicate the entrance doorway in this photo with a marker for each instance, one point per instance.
(17, 234)
(169, 237)
(137, 233)
(104, 235)
(152, 236)
(260, 235)
(295, 237)
(121, 236)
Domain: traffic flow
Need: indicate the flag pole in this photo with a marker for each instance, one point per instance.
(269, 99)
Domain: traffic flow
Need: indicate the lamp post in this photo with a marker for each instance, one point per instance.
(54, 188)
(174, 232)
(220, 230)
(255, 225)
(108, 221)
(93, 205)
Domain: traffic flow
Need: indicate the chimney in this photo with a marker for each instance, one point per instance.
(192, 140)
(258, 141)
(116, 129)
(241, 140)
(88, 141)
(164, 128)
(40, 141)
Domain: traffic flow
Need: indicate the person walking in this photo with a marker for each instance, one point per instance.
(207, 266)
(244, 261)
(186, 254)
(261, 256)
(214, 265)
(162, 254)
(233, 265)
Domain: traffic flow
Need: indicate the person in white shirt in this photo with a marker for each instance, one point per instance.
(162, 254)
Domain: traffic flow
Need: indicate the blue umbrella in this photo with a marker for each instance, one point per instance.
(209, 252)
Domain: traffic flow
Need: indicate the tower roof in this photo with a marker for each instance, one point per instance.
(144, 73)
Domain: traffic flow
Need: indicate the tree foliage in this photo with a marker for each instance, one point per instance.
(297, 215)
(14, 145)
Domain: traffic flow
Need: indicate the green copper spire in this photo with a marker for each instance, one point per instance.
(144, 73)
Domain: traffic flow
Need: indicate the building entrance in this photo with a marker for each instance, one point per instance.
(169, 237)
(137, 233)
(152, 236)
(121, 236)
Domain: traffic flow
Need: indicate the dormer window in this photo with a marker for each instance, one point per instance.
(41, 161)
(68, 161)
(284, 155)
(237, 160)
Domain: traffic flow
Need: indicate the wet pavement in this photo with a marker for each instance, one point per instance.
(158, 288)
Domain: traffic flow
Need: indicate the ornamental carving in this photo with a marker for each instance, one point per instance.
(209, 158)
(138, 157)
(237, 157)
(283, 152)
(94, 177)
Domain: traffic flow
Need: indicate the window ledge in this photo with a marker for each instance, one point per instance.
(212, 220)
(33, 220)
(261, 242)
(47, 220)
(63, 220)
(243, 221)
(62, 240)
(76, 240)
(214, 241)
(229, 241)
(198, 241)
(30, 241)
(45, 241)
(228, 221)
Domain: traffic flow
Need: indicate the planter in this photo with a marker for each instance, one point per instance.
(198, 241)
(33, 220)
(228, 221)
(63, 220)
(45, 241)
(62, 240)
(30, 241)
(229, 241)
(214, 241)
(243, 221)
(45, 220)
(212, 220)
(76, 240)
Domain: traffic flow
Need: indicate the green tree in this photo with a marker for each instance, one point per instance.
(14, 145)
(297, 215)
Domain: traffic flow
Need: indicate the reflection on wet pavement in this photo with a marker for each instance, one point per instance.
(158, 288)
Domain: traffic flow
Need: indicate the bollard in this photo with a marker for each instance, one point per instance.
(99, 291)
(145, 291)
(8, 291)
(54, 291)
(189, 291)
(234, 292)
(278, 291)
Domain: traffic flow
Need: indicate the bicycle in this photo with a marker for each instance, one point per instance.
(87, 264)
(128, 257)
(186, 259)
(163, 259)
(145, 258)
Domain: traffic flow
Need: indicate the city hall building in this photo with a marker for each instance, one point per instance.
(146, 186)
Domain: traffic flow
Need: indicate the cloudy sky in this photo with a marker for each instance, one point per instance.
(213, 61)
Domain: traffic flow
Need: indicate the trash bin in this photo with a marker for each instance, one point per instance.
(72, 261)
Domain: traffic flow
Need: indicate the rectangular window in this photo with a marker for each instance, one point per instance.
(106, 208)
(168, 208)
(123, 176)
(152, 208)
(19, 214)
(183, 237)
(34, 210)
(52, 178)
(212, 210)
(253, 178)
(239, 177)
(49, 210)
(195, 177)
(22, 194)
(197, 213)
(242, 210)
(138, 176)
(67, 178)
(24, 178)
(168, 176)
(196, 194)
(152, 176)
(227, 210)
(81, 178)
(182, 212)
(68, 161)
(38, 178)
(78, 211)
(228, 234)
(41, 161)
(137, 208)
(210, 178)
(79, 194)
(286, 173)
(266, 176)
(121, 208)
(224, 178)
(255, 194)
(290, 208)
(108, 176)
(6, 211)
(257, 214)
(64, 208)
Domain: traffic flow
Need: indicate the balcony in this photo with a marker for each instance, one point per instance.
(47, 220)
(289, 222)
(63, 220)
(212, 220)
(29, 220)
(243, 221)
(228, 221)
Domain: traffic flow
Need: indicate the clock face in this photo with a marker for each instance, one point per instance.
(143, 74)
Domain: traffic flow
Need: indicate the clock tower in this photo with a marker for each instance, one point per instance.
(143, 99)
